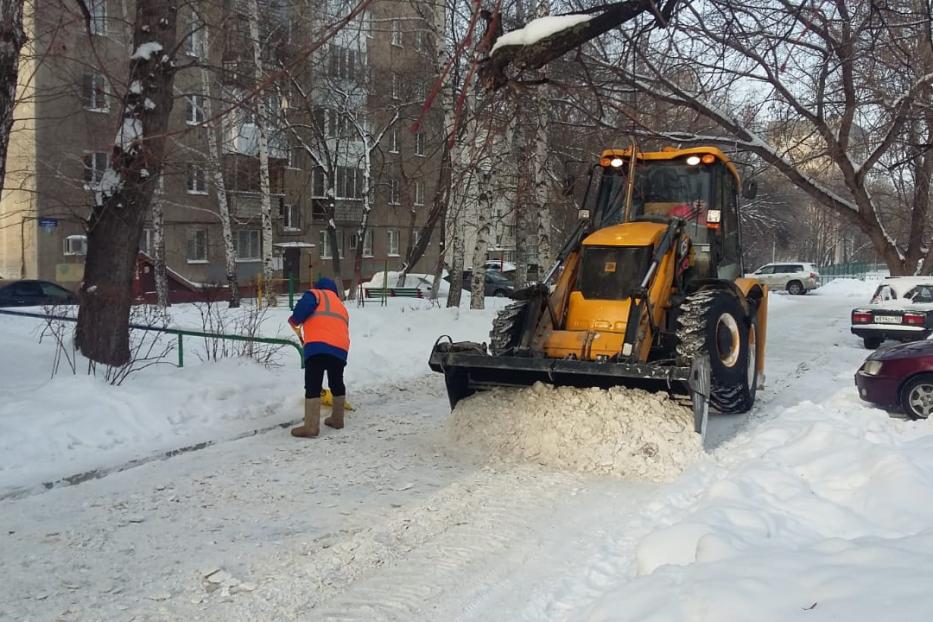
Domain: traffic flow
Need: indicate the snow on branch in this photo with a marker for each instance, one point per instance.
(539, 29)
(146, 50)
(546, 39)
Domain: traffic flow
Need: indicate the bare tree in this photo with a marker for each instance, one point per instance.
(124, 194)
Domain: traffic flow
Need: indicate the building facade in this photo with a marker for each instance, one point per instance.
(336, 117)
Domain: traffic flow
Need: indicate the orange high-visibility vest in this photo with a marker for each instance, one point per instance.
(330, 322)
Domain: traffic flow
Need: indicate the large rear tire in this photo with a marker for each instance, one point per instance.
(713, 325)
(506, 330)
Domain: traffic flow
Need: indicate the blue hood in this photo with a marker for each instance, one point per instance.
(326, 283)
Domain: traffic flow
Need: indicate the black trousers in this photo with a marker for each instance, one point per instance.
(315, 366)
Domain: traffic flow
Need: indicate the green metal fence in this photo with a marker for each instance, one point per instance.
(178, 332)
(851, 270)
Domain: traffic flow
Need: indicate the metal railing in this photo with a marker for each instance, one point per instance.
(178, 332)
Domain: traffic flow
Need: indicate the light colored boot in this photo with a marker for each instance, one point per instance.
(336, 414)
(312, 426)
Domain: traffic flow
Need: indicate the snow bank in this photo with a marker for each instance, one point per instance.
(852, 288)
(538, 29)
(824, 511)
(622, 432)
(53, 428)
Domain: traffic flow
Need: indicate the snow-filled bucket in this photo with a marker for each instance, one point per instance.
(623, 432)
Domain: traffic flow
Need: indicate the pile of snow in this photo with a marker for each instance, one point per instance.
(538, 29)
(624, 432)
(852, 288)
(814, 513)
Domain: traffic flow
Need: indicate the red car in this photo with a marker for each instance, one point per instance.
(899, 378)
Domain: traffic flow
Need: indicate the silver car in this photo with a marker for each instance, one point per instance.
(797, 277)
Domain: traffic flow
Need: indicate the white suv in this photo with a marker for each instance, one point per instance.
(797, 277)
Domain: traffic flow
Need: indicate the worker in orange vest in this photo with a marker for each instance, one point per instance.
(325, 331)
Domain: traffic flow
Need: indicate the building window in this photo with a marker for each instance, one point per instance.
(146, 243)
(397, 33)
(393, 242)
(396, 90)
(417, 237)
(343, 62)
(393, 191)
(368, 244)
(194, 109)
(421, 92)
(98, 16)
(197, 245)
(349, 183)
(75, 245)
(317, 183)
(291, 217)
(94, 92)
(368, 24)
(419, 143)
(194, 44)
(246, 245)
(393, 140)
(94, 166)
(354, 238)
(197, 180)
(419, 192)
(324, 245)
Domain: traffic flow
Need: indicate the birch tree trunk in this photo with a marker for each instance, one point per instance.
(265, 200)
(406, 197)
(124, 195)
(12, 39)
(332, 228)
(439, 263)
(364, 221)
(215, 163)
(158, 254)
(478, 286)
(456, 260)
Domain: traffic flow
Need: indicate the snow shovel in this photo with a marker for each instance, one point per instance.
(327, 398)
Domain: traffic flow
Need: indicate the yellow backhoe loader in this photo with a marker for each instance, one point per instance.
(646, 292)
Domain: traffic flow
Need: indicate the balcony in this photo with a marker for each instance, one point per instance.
(345, 211)
(245, 205)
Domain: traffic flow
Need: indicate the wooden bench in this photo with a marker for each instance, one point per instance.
(393, 292)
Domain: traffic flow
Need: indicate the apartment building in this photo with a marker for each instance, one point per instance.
(336, 118)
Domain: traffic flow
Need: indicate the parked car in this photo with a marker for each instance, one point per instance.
(33, 293)
(901, 309)
(899, 378)
(496, 283)
(797, 277)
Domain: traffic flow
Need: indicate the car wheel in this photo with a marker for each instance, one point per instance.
(500, 293)
(795, 288)
(872, 343)
(917, 397)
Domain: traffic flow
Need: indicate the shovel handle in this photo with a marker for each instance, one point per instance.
(298, 333)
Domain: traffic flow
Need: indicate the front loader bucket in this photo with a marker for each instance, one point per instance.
(467, 368)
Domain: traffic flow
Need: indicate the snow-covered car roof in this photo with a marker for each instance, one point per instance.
(902, 286)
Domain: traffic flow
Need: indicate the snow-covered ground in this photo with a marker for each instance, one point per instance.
(815, 506)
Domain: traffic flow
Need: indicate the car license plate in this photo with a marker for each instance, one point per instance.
(887, 319)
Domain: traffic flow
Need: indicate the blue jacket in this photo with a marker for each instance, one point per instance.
(304, 309)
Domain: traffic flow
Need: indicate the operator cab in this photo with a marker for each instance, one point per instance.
(697, 185)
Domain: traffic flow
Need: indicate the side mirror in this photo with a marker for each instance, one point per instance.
(750, 189)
